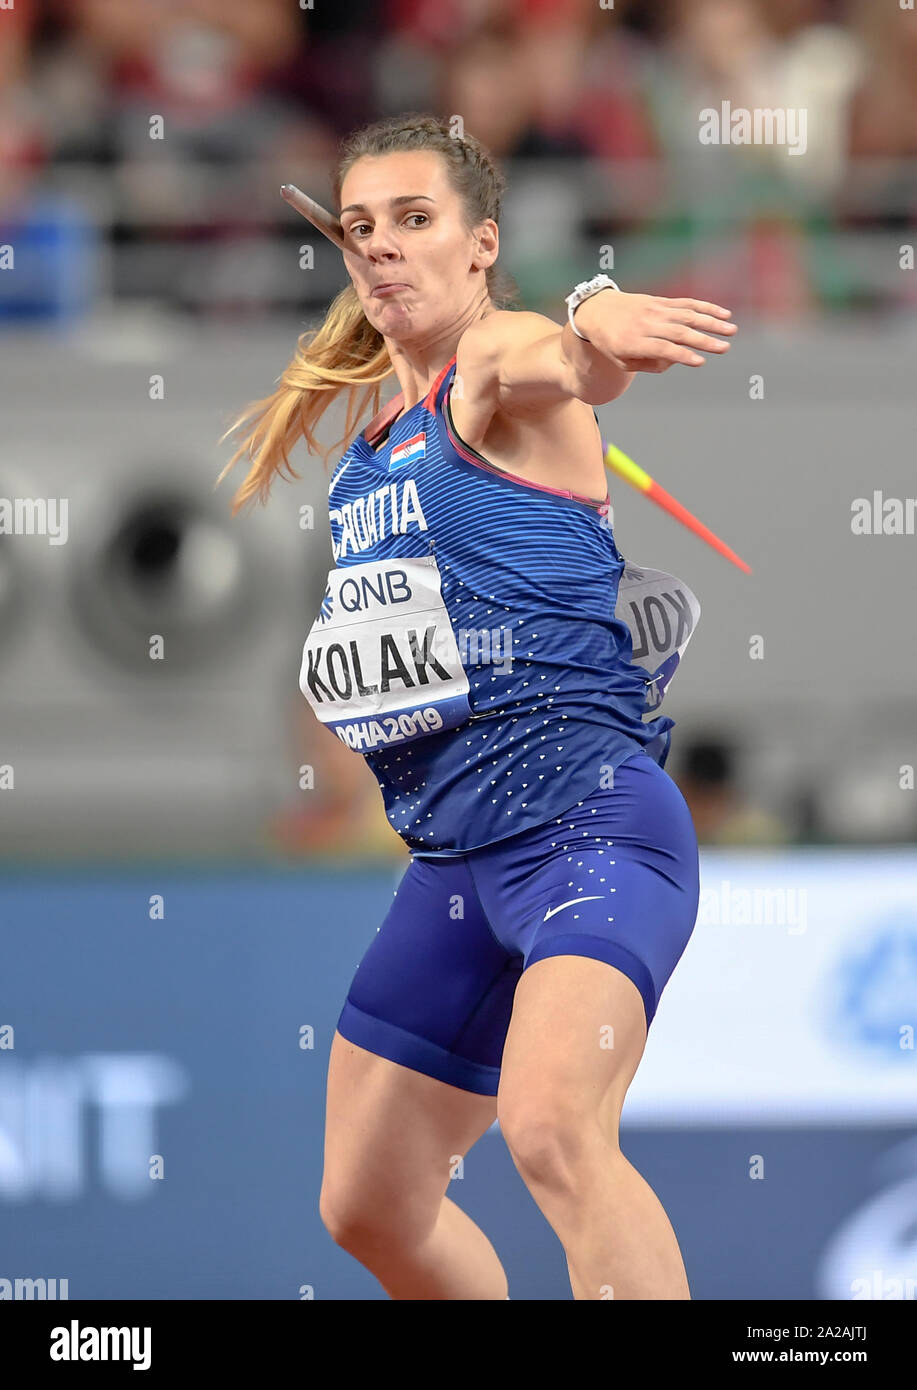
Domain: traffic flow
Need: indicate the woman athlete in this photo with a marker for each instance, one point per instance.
(467, 647)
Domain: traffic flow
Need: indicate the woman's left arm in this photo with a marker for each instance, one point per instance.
(529, 362)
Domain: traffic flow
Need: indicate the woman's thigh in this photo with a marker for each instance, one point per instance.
(415, 1059)
(575, 1041)
(615, 878)
(434, 990)
(392, 1136)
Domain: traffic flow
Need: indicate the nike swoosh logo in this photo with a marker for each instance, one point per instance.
(593, 897)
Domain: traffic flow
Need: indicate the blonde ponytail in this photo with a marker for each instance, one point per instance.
(345, 354)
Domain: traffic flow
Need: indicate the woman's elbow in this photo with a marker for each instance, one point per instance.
(602, 390)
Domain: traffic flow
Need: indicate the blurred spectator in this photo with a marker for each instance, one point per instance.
(612, 110)
(547, 87)
(253, 94)
(783, 55)
(711, 51)
(23, 145)
(788, 59)
(107, 66)
(722, 816)
(342, 814)
(861, 801)
(433, 25)
(884, 115)
(883, 118)
(549, 79)
(818, 68)
(484, 81)
(105, 70)
(330, 70)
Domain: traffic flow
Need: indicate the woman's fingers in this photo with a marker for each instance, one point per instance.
(666, 352)
(707, 321)
(696, 322)
(677, 343)
(680, 333)
(677, 331)
(688, 328)
(701, 306)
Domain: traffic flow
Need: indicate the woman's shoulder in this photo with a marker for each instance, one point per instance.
(502, 328)
(486, 343)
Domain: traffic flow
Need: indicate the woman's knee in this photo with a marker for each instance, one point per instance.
(391, 1134)
(550, 1138)
(360, 1221)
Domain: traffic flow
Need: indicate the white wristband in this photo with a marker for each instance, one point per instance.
(584, 291)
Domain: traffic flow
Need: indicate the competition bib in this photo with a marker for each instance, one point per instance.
(381, 665)
(662, 613)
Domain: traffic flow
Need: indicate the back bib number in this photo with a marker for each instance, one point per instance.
(381, 665)
(662, 613)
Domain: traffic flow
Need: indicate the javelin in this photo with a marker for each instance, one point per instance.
(615, 459)
(314, 213)
(618, 462)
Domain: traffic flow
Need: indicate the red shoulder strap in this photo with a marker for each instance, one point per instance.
(380, 423)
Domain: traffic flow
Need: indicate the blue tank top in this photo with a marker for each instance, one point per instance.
(467, 644)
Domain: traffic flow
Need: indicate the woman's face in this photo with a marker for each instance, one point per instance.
(417, 269)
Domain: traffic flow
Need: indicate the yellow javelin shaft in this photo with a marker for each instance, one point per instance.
(632, 473)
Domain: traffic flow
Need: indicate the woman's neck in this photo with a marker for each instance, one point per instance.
(417, 365)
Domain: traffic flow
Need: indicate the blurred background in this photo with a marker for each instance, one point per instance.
(192, 866)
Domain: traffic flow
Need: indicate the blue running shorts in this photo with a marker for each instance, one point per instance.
(615, 878)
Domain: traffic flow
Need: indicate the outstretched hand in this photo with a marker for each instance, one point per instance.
(646, 333)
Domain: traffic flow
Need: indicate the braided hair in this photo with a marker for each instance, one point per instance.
(473, 174)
